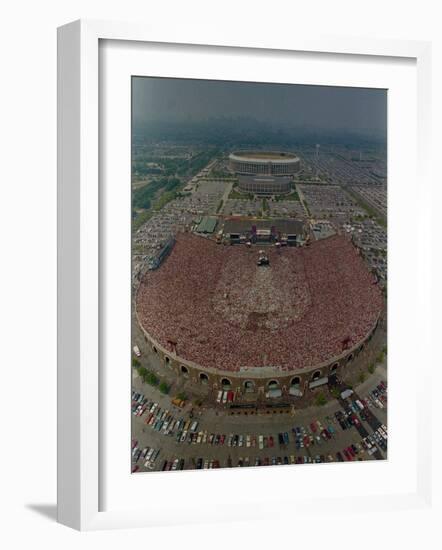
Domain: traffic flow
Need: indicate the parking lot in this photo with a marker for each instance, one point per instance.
(168, 438)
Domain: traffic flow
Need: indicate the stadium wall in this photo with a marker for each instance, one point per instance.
(260, 378)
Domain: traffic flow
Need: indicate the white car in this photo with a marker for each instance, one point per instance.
(137, 351)
(150, 453)
(248, 443)
(194, 426)
(261, 442)
(359, 404)
(220, 395)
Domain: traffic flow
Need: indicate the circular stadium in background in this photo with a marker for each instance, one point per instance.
(264, 172)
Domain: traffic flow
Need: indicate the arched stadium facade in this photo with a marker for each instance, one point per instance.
(258, 381)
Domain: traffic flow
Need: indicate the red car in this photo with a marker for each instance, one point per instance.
(351, 451)
(313, 427)
(230, 395)
(355, 420)
(271, 442)
(222, 439)
(306, 441)
(347, 455)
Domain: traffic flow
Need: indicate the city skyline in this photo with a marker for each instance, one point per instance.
(359, 111)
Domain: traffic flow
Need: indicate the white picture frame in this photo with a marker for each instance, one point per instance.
(79, 265)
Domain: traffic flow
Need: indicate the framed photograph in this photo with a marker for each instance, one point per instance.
(234, 221)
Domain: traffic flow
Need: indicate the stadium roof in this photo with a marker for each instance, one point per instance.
(207, 224)
(275, 157)
(241, 225)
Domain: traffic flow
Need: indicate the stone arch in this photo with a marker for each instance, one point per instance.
(316, 375)
(334, 367)
(295, 381)
(184, 370)
(272, 384)
(204, 379)
(226, 383)
(249, 386)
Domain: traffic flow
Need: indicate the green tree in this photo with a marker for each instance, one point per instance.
(164, 388)
(320, 399)
(151, 379)
(142, 372)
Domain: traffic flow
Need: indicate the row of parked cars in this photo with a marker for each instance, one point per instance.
(315, 434)
(161, 420)
(225, 396)
(269, 461)
(377, 397)
(147, 456)
(173, 465)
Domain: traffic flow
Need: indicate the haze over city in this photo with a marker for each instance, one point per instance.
(300, 108)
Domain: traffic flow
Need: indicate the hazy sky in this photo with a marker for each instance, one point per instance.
(358, 110)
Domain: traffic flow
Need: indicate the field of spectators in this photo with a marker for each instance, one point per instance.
(226, 312)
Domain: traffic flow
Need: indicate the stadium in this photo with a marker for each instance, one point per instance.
(264, 173)
(220, 318)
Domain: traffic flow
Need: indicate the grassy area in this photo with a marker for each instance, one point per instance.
(140, 219)
(155, 194)
(372, 213)
(234, 194)
(293, 196)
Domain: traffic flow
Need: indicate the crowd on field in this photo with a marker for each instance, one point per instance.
(224, 311)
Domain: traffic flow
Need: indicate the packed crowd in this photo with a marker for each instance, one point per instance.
(329, 298)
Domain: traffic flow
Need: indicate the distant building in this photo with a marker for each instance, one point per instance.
(264, 172)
